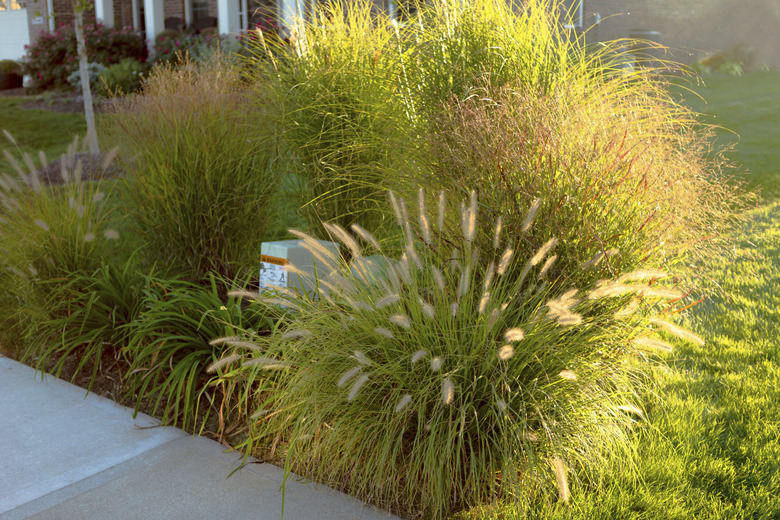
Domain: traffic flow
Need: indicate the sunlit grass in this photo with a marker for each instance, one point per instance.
(747, 108)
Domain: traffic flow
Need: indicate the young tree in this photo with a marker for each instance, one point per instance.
(79, 6)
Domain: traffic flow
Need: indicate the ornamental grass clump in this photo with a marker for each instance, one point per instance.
(200, 182)
(50, 233)
(453, 376)
(332, 96)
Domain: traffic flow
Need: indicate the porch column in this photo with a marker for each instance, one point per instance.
(154, 14)
(290, 13)
(104, 12)
(187, 13)
(227, 15)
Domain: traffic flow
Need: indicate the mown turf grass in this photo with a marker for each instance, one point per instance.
(747, 110)
(36, 130)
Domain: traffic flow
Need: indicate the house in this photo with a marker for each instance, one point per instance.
(21, 22)
(691, 27)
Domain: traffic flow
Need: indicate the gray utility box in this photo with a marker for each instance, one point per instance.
(276, 256)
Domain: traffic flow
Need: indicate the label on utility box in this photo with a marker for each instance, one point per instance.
(273, 271)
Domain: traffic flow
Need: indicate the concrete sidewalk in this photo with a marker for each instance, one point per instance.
(65, 456)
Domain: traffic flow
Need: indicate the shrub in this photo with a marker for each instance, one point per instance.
(171, 47)
(125, 77)
(53, 57)
(10, 67)
(200, 184)
(94, 71)
(445, 381)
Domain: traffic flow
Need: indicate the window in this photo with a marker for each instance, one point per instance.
(12, 5)
(572, 13)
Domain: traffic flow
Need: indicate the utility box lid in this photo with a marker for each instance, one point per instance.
(276, 256)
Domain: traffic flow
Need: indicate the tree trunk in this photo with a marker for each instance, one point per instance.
(81, 46)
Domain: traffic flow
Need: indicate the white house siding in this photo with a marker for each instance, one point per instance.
(14, 33)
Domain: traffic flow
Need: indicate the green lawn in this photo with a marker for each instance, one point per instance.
(36, 130)
(747, 110)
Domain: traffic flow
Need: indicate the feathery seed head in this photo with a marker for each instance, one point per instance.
(436, 363)
(560, 476)
(89, 237)
(41, 224)
(427, 308)
(543, 251)
(514, 335)
(483, 302)
(349, 374)
(365, 235)
(356, 387)
(296, 334)
(417, 356)
(111, 234)
(384, 332)
(222, 362)
(652, 343)
(438, 277)
(489, 276)
(529, 218)
(401, 321)
(249, 295)
(405, 400)
(442, 210)
(447, 391)
(361, 358)
(643, 274)
(386, 300)
(547, 265)
(568, 375)
(681, 333)
(497, 233)
(503, 264)
(225, 339)
(506, 352)
(341, 234)
(454, 309)
(629, 309)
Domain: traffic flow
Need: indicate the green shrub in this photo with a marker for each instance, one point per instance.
(94, 71)
(446, 381)
(10, 67)
(200, 184)
(125, 77)
(53, 57)
(171, 47)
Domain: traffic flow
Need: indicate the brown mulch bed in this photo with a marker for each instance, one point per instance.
(93, 167)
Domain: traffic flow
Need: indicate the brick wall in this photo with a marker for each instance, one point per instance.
(693, 28)
(123, 13)
(63, 13)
